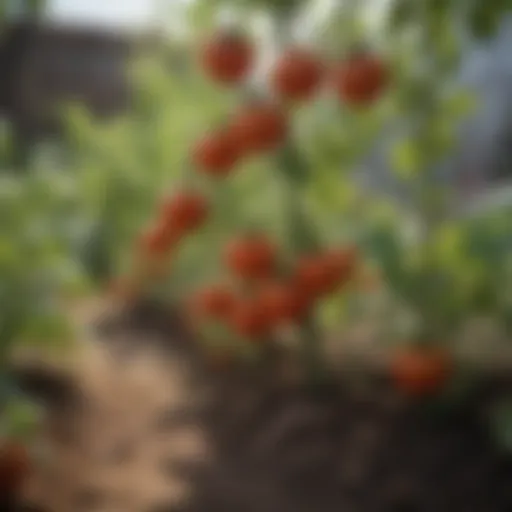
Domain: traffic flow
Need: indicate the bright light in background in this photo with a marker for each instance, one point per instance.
(109, 13)
(140, 14)
(374, 10)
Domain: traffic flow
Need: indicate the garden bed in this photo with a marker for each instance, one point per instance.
(139, 438)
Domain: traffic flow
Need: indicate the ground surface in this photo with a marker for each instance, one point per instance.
(148, 435)
(112, 442)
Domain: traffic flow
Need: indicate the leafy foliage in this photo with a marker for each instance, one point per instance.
(35, 267)
(38, 274)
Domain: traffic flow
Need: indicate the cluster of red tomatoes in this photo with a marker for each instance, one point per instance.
(268, 298)
(299, 72)
(179, 215)
(421, 371)
(254, 259)
(297, 76)
(257, 127)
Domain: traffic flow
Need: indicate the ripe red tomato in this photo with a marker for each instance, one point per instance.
(420, 372)
(15, 466)
(227, 57)
(259, 127)
(251, 257)
(185, 211)
(248, 319)
(361, 79)
(157, 240)
(297, 75)
(216, 301)
(281, 302)
(216, 154)
(314, 276)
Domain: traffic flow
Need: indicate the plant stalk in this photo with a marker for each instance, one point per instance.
(294, 173)
(302, 240)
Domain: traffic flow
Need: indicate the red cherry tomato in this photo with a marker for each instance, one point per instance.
(248, 319)
(216, 154)
(420, 372)
(251, 257)
(185, 211)
(360, 80)
(216, 301)
(156, 240)
(259, 127)
(282, 303)
(314, 277)
(228, 57)
(297, 75)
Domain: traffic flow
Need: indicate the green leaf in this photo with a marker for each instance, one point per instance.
(96, 254)
(8, 255)
(485, 17)
(331, 312)
(49, 330)
(78, 124)
(441, 138)
(35, 7)
(334, 195)
(292, 166)
(406, 159)
(402, 13)
(501, 424)
(449, 243)
(384, 244)
(21, 418)
(414, 93)
(461, 104)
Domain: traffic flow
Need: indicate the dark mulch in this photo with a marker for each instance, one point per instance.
(54, 389)
(284, 450)
(362, 448)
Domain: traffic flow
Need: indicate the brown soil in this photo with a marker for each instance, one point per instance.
(146, 437)
(114, 428)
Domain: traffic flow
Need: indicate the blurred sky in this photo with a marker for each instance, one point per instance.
(140, 13)
(102, 12)
(110, 13)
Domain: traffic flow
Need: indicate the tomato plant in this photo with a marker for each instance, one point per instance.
(263, 199)
(39, 275)
(236, 196)
(281, 270)
(372, 85)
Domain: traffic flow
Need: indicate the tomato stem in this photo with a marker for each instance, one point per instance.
(302, 240)
(311, 354)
